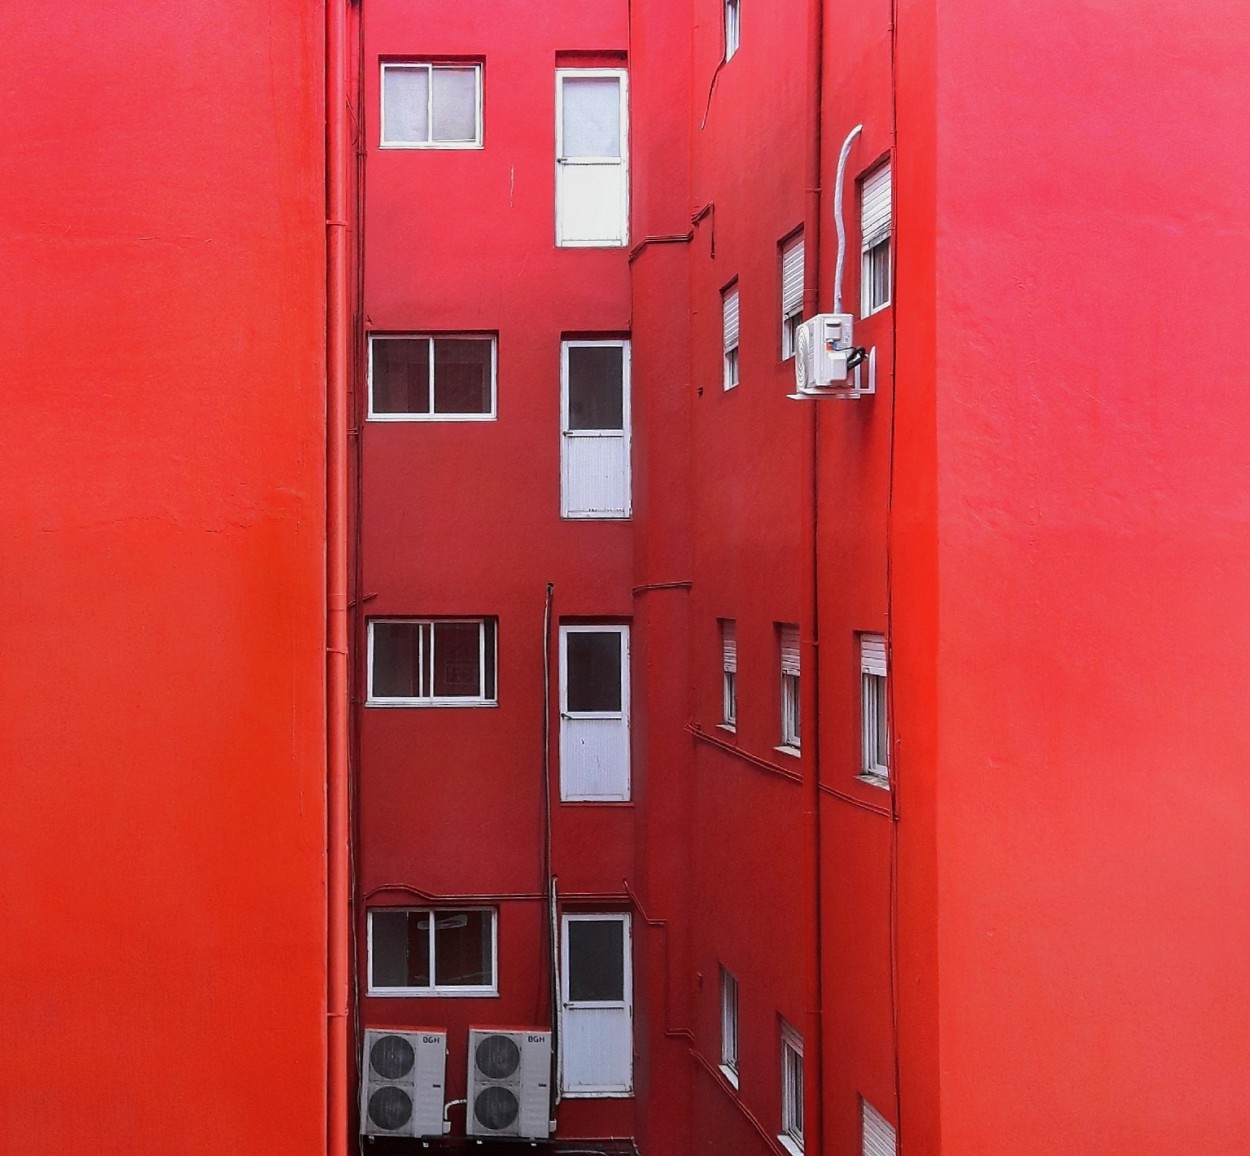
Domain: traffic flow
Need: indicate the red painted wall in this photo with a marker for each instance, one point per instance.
(1082, 399)
(161, 814)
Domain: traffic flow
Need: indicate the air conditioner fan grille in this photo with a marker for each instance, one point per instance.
(496, 1108)
(390, 1108)
(497, 1057)
(392, 1057)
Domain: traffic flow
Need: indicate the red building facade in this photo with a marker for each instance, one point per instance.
(843, 775)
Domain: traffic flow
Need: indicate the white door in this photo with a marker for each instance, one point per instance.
(594, 417)
(594, 714)
(596, 1026)
(592, 167)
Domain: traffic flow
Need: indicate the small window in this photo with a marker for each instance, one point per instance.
(878, 1137)
(874, 221)
(431, 951)
(431, 105)
(432, 662)
(732, 28)
(431, 378)
(875, 763)
(791, 294)
(729, 667)
(729, 314)
(791, 1089)
(729, 1026)
(788, 642)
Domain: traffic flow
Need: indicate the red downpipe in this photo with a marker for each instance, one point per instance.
(337, 322)
(814, 1053)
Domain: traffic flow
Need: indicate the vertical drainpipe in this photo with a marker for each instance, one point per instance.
(337, 320)
(814, 1091)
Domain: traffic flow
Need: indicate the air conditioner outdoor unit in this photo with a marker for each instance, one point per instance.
(509, 1083)
(826, 362)
(401, 1083)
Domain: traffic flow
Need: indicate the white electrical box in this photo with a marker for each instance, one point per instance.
(401, 1085)
(823, 350)
(509, 1083)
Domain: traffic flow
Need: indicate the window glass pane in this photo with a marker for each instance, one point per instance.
(596, 959)
(404, 104)
(593, 669)
(462, 949)
(401, 375)
(462, 372)
(596, 387)
(455, 104)
(396, 666)
(457, 659)
(592, 116)
(401, 949)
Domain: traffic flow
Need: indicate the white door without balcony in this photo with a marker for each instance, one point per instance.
(594, 714)
(597, 1017)
(592, 150)
(594, 444)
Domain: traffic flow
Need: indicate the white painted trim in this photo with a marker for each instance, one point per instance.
(429, 65)
(491, 415)
(622, 161)
(466, 992)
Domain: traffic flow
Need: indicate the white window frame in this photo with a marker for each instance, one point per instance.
(874, 710)
(430, 700)
(876, 237)
(624, 434)
(430, 66)
(622, 161)
(491, 415)
(626, 1004)
(731, 334)
(733, 28)
(447, 990)
(622, 716)
(729, 673)
(792, 253)
(729, 1025)
(791, 729)
(792, 1079)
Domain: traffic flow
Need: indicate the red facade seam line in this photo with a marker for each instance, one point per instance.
(337, 820)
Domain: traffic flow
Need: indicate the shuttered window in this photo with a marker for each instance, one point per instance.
(788, 645)
(791, 294)
(729, 315)
(729, 689)
(729, 1026)
(874, 224)
(878, 1135)
(874, 716)
(732, 28)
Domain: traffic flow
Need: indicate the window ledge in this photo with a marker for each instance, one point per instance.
(427, 703)
(790, 1146)
(431, 993)
(732, 728)
(881, 781)
(793, 752)
(731, 1077)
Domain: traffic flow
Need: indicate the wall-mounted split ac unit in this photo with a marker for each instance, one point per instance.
(826, 362)
(509, 1083)
(401, 1083)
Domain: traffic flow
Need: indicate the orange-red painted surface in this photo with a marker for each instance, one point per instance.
(162, 816)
